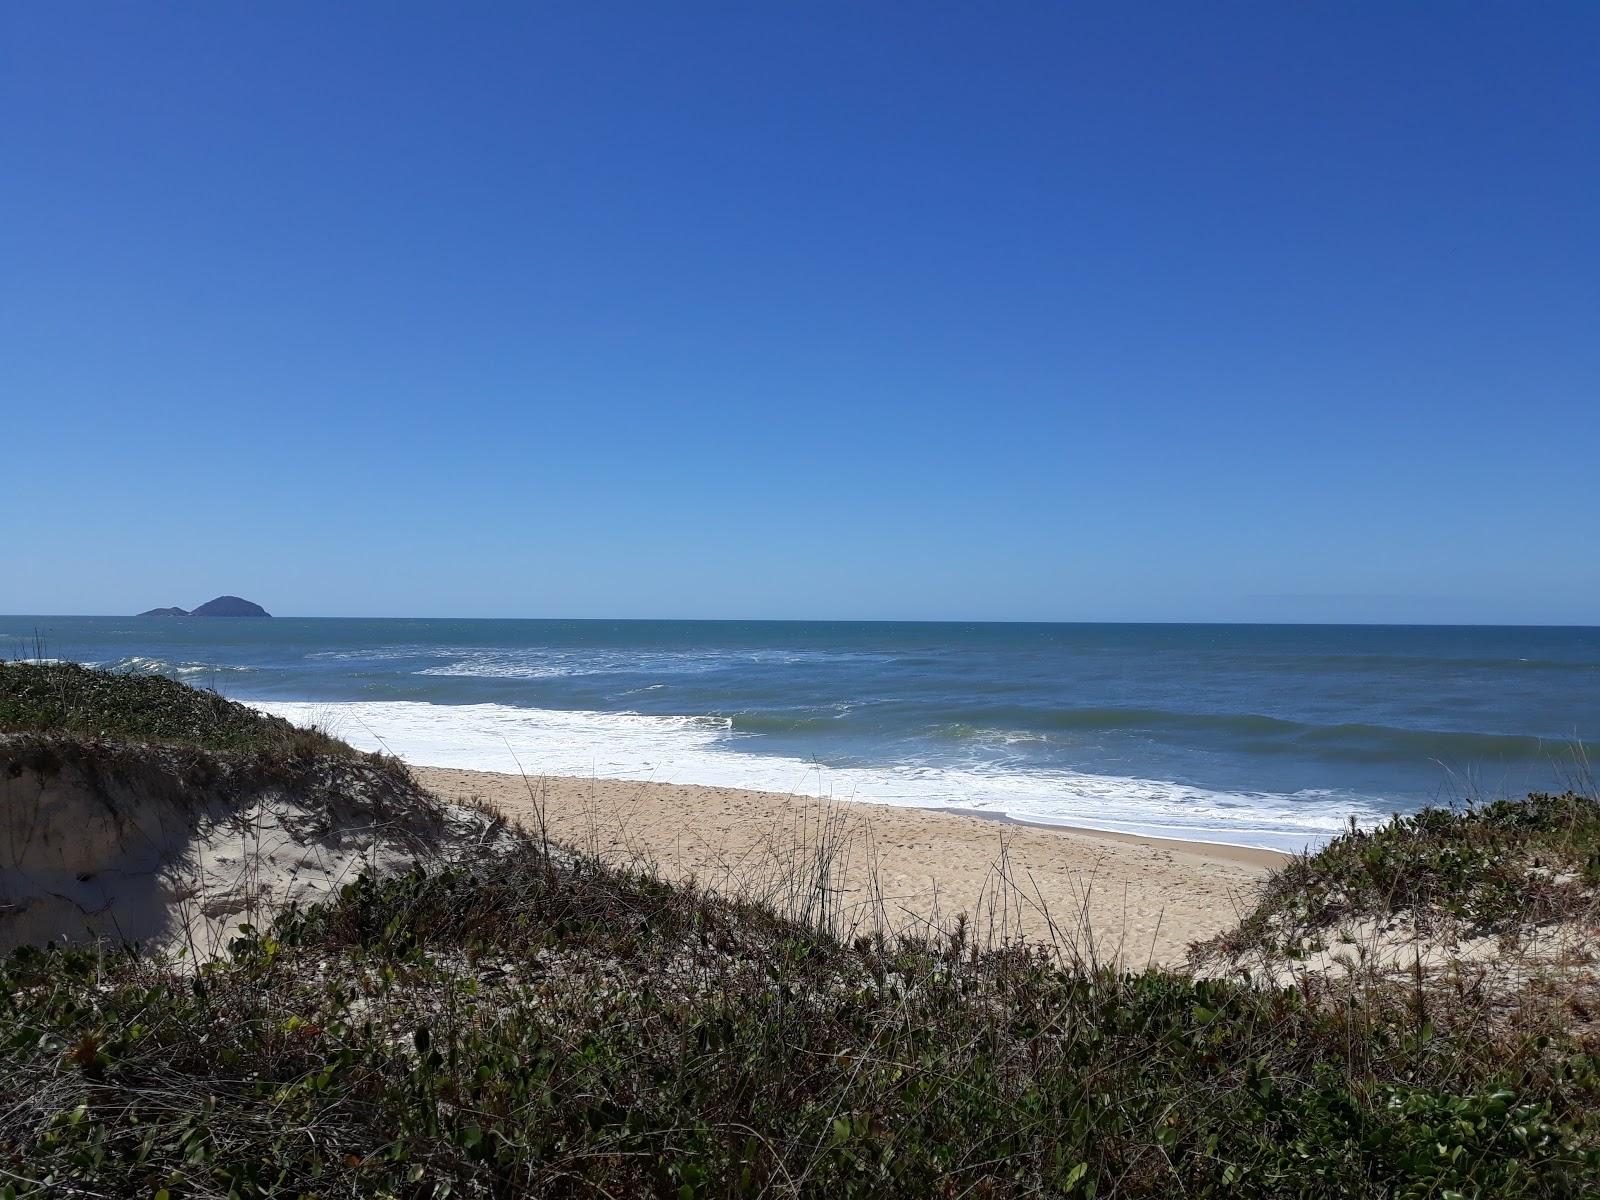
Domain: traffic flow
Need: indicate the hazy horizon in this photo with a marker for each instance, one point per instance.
(287, 616)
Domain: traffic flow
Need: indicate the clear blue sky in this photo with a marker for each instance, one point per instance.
(1036, 311)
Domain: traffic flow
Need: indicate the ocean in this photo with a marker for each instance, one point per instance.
(1261, 735)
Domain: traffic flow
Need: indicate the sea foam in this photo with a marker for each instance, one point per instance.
(708, 751)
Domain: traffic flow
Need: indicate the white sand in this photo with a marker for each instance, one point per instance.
(1138, 899)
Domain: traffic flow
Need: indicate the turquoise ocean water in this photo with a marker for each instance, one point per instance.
(1254, 734)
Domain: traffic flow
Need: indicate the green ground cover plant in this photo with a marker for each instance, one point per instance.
(1501, 867)
(67, 699)
(538, 1027)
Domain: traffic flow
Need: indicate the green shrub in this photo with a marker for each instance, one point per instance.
(546, 1028)
(1488, 868)
(66, 698)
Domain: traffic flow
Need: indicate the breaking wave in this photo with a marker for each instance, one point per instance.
(710, 751)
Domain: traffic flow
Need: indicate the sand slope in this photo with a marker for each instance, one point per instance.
(178, 848)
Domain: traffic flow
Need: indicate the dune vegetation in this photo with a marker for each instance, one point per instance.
(533, 1022)
(67, 699)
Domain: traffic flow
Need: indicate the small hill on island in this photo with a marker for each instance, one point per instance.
(230, 606)
(222, 606)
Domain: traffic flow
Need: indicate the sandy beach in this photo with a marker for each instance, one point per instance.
(1119, 896)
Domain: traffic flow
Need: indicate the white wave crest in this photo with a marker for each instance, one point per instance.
(548, 663)
(705, 750)
(144, 664)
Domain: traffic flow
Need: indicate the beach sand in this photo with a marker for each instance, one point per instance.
(1137, 900)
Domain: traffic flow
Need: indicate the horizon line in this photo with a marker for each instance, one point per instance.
(845, 620)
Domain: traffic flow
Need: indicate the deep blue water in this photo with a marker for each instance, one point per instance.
(1260, 734)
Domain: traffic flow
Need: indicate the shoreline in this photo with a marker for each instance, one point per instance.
(478, 735)
(1255, 856)
(1107, 895)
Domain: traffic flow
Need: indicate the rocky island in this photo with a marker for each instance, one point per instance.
(222, 606)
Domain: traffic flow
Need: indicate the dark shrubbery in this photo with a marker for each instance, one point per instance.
(561, 1028)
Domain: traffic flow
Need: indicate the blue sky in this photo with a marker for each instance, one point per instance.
(1026, 311)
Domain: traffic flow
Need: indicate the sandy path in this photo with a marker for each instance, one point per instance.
(1141, 898)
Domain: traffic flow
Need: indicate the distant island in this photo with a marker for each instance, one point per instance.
(222, 606)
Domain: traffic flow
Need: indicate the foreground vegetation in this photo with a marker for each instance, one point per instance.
(544, 1028)
(542, 1024)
